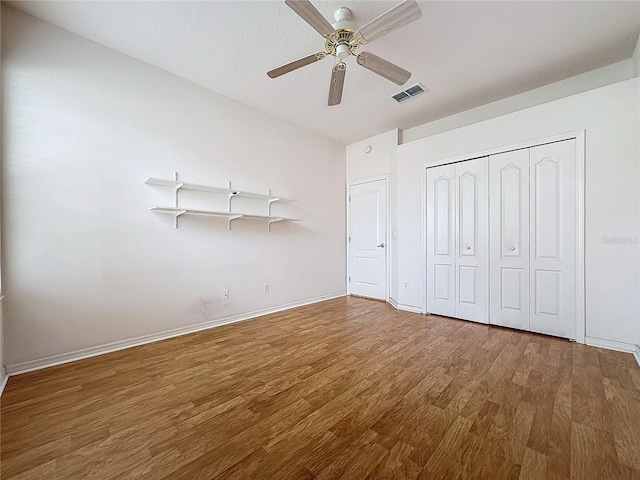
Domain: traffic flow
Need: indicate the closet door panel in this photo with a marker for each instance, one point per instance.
(441, 275)
(472, 248)
(509, 233)
(511, 288)
(553, 228)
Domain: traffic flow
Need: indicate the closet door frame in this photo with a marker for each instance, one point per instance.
(579, 137)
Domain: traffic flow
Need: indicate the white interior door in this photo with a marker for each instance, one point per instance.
(441, 245)
(509, 231)
(472, 236)
(553, 234)
(367, 239)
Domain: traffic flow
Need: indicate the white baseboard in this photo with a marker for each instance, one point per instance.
(4, 377)
(24, 367)
(393, 303)
(409, 308)
(613, 345)
(636, 354)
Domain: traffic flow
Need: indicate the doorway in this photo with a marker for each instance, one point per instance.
(367, 239)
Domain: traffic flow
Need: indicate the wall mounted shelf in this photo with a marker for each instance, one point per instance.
(211, 189)
(229, 192)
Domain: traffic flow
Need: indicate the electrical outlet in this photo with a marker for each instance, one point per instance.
(266, 288)
(225, 294)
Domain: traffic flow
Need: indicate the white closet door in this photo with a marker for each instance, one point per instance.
(472, 248)
(553, 234)
(509, 232)
(441, 255)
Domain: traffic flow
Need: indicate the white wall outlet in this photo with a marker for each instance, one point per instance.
(225, 294)
(266, 288)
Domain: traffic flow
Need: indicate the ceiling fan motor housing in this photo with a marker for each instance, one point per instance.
(342, 14)
(341, 43)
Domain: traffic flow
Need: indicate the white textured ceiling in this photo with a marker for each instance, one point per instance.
(466, 53)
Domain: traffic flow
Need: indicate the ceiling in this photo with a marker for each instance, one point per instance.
(466, 53)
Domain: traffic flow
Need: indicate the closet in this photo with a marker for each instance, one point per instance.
(501, 239)
(457, 240)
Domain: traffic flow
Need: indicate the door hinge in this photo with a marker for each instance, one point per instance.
(349, 238)
(349, 197)
(349, 278)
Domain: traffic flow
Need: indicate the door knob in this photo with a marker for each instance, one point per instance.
(381, 245)
(467, 247)
(513, 249)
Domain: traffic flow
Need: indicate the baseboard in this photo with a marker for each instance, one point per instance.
(612, 345)
(24, 367)
(4, 377)
(409, 308)
(393, 303)
(636, 354)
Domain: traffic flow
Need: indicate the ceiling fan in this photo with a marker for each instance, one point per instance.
(344, 38)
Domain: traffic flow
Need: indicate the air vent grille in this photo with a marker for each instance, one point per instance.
(401, 97)
(410, 92)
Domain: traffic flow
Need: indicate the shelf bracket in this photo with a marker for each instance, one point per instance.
(175, 217)
(269, 202)
(273, 220)
(231, 194)
(175, 200)
(231, 218)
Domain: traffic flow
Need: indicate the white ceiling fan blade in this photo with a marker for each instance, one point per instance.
(290, 67)
(337, 82)
(399, 16)
(383, 68)
(309, 13)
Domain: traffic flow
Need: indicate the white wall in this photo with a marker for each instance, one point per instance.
(381, 160)
(636, 59)
(2, 369)
(610, 116)
(85, 262)
(610, 74)
(636, 73)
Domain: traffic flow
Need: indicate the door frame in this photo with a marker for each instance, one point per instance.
(387, 248)
(579, 136)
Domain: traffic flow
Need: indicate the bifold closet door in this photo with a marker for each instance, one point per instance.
(472, 237)
(533, 239)
(441, 244)
(553, 239)
(509, 231)
(457, 240)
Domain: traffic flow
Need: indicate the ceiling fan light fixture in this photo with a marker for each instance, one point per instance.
(343, 51)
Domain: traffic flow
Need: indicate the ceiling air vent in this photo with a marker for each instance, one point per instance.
(410, 92)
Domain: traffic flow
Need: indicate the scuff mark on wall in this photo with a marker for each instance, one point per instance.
(208, 308)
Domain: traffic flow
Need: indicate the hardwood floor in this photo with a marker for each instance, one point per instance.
(348, 388)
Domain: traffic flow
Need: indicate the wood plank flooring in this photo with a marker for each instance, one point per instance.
(348, 388)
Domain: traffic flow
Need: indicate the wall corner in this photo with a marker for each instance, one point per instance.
(3, 379)
(635, 59)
